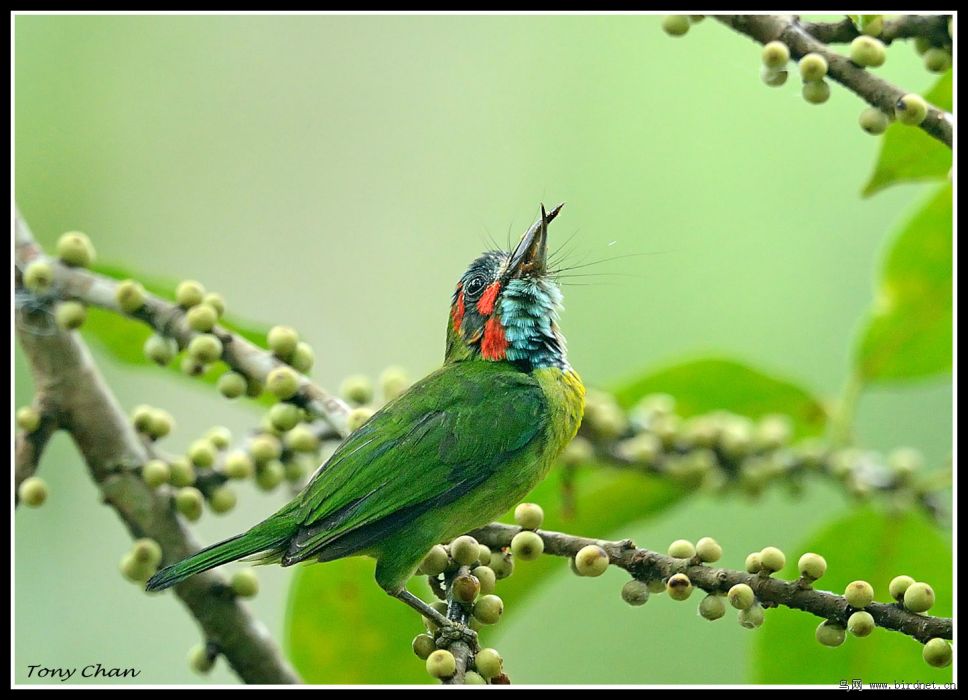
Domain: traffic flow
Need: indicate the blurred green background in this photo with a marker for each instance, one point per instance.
(338, 173)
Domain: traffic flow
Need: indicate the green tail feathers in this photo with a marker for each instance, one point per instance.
(271, 534)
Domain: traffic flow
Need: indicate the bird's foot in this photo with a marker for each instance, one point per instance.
(454, 632)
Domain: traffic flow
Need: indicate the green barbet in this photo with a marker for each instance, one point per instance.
(456, 450)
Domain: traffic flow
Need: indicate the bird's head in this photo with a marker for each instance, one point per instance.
(506, 306)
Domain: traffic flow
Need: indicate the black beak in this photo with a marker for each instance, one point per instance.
(529, 258)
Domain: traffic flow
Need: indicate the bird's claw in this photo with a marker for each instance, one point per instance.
(456, 632)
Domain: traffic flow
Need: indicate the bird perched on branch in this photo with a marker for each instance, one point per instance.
(456, 450)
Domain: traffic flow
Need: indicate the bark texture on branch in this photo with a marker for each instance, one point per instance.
(647, 565)
(872, 89)
(76, 395)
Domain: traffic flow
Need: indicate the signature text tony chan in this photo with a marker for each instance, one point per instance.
(64, 674)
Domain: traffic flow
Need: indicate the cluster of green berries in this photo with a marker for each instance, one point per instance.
(471, 571)
(485, 667)
(142, 561)
(153, 423)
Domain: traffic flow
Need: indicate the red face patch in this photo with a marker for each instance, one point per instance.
(457, 311)
(485, 305)
(495, 345)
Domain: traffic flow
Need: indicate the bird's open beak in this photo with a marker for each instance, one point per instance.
(530, 257)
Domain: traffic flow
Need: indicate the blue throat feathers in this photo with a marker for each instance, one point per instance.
(529, 314)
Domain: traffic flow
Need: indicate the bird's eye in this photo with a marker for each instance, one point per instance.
(475, 286)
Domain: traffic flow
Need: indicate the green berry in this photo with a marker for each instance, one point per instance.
(773, 77)
(264, 448)
(712, 607)
(189, 293)
(357, 417)
(301, 439)
(435, 562)
(922, 44)
(28, 418)
(771, 559)
(867, 51)
(937, 652)
(741, 596)
(464, 550)
(245, 583)
(231, 385)
(905, 461)
(473, 678)
(222, 500)
(282, 382)
(238, 465)
(70, 315)
(484, 556)
(812, 566)
(393, 382)
(937, 60)
(32, 491)
(130, 296)
(859, 594)
(182, 472)
(160, 423)
(489, 663)
(135, 571)
(591, 560)
(199, 659)
(441, 664)
(752, 617)
(75, 249)
(527, 545)
(488, 609)
(160, 349)
(202, 453)
(872, 25)
(861, 623)
(141, 417)
(285, 416)
(682, 549)
(679, 587)
(580, 451)
(202, 317)
(911, 109)
(188, 502)
(216, 301)
(219, 436)
(709, 550)
(919, 597)
(282, 341)
(270, 475)
(831, 634)
(205, 348)
(873, 121)
(357, 388)
(775, 55)
(296, 470)
(675, 25)
(813, 67)
(191, 367)
(147, 552)
(253, 387)
(655, 585)
(502, 565)
(38, 276)
(486, 578)
(303, 358)
(898, 587)
(529, 515)
(816, 92)
(155, 472)
(423, 645)
(464, 588)
(635, 592)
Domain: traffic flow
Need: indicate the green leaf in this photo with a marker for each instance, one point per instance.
(908, 154)
(909, 330)
(874, 546)
(714, 384)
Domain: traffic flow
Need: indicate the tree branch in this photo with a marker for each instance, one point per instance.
(646, 565)
(90, 412)
(934, 27)
(873, 90)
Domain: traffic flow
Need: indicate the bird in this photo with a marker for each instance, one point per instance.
(453, 452)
